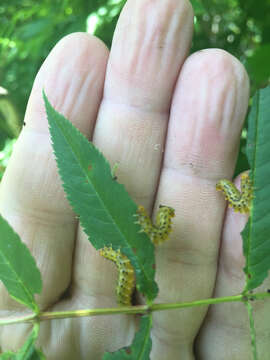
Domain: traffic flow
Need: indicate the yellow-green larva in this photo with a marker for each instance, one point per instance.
(239, 201)
(126, 274)
(157, 233)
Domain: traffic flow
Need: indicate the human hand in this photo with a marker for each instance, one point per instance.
(173, 123)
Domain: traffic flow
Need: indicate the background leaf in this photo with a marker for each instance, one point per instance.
(106, 210)
(258, 64)
(256, 234)
(140, 348)
(33, 29)
(198, 7)
(18, 269)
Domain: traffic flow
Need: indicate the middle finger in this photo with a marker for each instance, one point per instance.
(151, 41)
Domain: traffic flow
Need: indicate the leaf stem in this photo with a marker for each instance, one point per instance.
(18, 319)
(252, 330)
(139, 309)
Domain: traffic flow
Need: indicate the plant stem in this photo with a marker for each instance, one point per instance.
(19, 319)
(139, 309)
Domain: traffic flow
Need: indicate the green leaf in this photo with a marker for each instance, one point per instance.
(18, 269)
(140, 348)
(256, 234)
(106, 210)
(28, 351)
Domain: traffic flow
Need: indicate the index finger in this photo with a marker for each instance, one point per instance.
(31, 196)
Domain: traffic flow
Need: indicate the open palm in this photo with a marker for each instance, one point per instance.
(173, 122)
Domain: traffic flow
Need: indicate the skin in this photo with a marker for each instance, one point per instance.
(173, 122)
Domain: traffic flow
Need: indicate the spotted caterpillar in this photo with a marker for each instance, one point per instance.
(239, 201)
(157, 233)
(126, 274)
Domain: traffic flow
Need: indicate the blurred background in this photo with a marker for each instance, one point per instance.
(29, 29)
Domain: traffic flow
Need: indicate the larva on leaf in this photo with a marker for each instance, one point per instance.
(126, 274)
(157, 233)
(239, 201)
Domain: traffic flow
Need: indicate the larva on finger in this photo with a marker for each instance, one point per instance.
(126, 274)
(239, 201)
(159, 232)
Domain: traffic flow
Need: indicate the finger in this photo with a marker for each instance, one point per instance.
(31, 195)
(149, 46)
(153, 38)
(207, 114)
(226, 327)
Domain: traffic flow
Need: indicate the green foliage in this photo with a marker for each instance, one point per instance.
(198, 7)
(28, 351)
(18, 269)
(256, 234)
(29, 30)
(105, 209)
(258, 66)
(141, 346)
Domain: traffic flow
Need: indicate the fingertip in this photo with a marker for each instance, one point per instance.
(74, 69)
